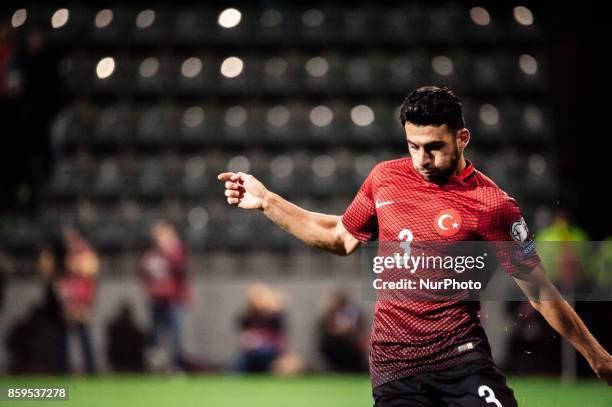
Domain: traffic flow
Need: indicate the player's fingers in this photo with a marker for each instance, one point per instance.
(231, 185)
(225, 176)
(232, 193)
(240, 176)
(233, 201)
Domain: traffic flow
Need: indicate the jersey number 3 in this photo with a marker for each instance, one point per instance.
(406, 236)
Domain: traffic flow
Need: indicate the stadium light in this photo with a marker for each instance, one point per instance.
(105, 67)
(533, 118)
(276, 67)
(60, 18)
(362, 115)
(317, 67)
(149, 67)
(193, 117)
(313, 18)
(324, 166)
(239, 163)
(523, 15)
(231, 67)
(191, 67)
(281, 166)
(145, 18)
(401, 67)
(103, 18)
(235, 116)
(321, 116)
(364, 164)
(229, 18)
(278, 116)
(528, 64)
(197, 217)
(489, 114)
(19, 17)
(442, 65)
(480, 16)
(195, 167)
(537, 164)
(271, 18)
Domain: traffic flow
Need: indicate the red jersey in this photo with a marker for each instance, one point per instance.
(410, 337)
(165, 274)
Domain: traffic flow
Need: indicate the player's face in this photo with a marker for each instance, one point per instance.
(435, 151)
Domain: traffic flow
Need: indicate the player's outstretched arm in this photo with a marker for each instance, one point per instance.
(545, 298)
(315, 229)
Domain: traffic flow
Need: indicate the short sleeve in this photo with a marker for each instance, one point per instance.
(359, 219)
(503, 224)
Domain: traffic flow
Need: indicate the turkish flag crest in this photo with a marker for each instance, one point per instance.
(447, 223)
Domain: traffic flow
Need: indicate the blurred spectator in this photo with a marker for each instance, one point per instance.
(343, 341)
(77, 290)
(36, 343)
(51, 267)
(164, 270)
(32, 343)
(261, 339)
(126, 342)
(565, 253)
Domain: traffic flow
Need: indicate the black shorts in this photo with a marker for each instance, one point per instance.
(471, 384)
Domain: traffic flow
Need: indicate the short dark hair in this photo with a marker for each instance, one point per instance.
(431, 105)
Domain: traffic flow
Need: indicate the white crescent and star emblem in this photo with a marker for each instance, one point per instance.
(447, 223)
(441, 222)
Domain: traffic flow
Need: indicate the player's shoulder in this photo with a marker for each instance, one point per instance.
(390, 166)
(493, 197)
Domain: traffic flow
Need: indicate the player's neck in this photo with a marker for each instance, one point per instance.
(460, 165)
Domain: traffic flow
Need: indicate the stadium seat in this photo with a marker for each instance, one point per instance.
(195, 74)
(111, 25)
(273, 25)
(404, 25)
(21, 235)
(357, 23)
(407, 71)
(322, 73)
(317, 25)
(195, 178)
(152, 25)
(157, 126)
(152, 178)
(109, 179)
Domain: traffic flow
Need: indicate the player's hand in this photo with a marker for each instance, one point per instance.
(604, 370)
(243, 190)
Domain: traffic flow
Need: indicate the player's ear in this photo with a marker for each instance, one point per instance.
(463, 137)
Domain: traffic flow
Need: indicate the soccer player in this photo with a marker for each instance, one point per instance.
(430, 353)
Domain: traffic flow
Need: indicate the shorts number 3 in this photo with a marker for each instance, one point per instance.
(489, 396)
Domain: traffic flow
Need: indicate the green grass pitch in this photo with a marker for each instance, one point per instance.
(266, 391)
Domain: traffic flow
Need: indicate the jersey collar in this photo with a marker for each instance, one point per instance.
(463, 176)
(467, 172)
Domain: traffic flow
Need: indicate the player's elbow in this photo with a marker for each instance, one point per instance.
(345, 244)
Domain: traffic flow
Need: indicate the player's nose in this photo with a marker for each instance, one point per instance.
(422, 159)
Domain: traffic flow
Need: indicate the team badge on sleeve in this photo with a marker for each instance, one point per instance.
(519, 230)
